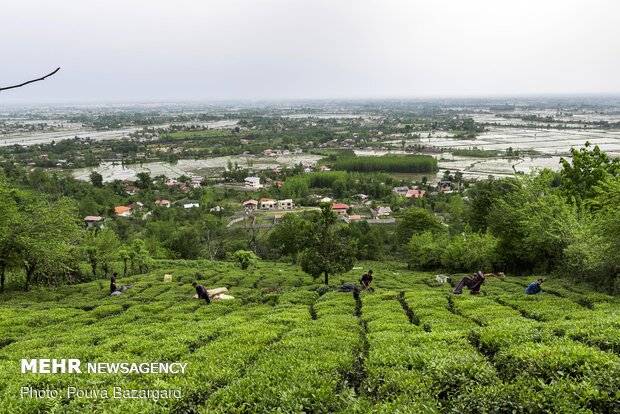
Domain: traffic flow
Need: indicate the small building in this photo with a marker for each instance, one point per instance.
(326, 200)
(445, 186)
(136, 205)
(252, 182)
(267, 204)
(340, 209)
(383, 211)
(122, 211)
(286, 204)
(354, 217)
(93, 222)
(400, 190)
(163, 203)
(415, 193)
(191, 204)
(324, 168)
(250, 205)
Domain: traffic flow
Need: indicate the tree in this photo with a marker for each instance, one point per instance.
(245, 258)
(48, 230)
(144, 180)
(96, 179)
(469, 252)
(288, 238)
(212, 227)
(99, 248)
(587, 169)
(425, 250)
(124, 254)
(329, 249)
(139, 256)
(415, 221)
(9, 223)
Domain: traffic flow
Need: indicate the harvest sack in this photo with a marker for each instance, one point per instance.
(216, 291)
(167, 278)
(223, 297)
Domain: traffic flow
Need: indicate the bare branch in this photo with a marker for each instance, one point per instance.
(30, 81)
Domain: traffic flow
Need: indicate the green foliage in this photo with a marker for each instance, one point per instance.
(329, 249)
(388, 163)
(99, 248)
(245, 258)
(415, 221)
(470, 251)
(425, 250)
(281, 346)
(289, 237)
(585, 171)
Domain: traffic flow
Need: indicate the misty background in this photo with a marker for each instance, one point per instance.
(160, 50)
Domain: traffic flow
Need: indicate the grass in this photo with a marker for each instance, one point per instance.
(288, 344)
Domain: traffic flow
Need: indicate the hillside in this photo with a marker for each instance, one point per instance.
(285, 344)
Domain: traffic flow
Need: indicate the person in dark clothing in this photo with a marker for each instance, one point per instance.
(113, 282)
(473, 283)
(366, 280)
(202, 292)
(534, 287)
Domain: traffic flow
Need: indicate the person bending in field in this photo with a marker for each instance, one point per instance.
(201, 292)
(113, 282)
(534, 287)
(473, 283)
(366, 280)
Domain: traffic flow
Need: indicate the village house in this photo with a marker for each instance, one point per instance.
(131, 189)
(381, 212)
(253, 182)
(122, 211)
(163, 203)
(324, 168)
(286, 204)
(340, 209)
(400, 190)
(267, 203)
(171, 182)
(93, 222)
(415, 193)
(250, 205)
(353, 217)
(191, 204)
(445, 186)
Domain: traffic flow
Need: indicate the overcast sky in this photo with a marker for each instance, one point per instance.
(164, 50)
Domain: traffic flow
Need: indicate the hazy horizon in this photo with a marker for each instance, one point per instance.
(279, 50)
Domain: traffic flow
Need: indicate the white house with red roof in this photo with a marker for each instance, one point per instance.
(415, 193)
(340, 209)
(163, 203)
(250, 205)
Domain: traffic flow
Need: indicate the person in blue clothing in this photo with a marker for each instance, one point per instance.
(534, 287)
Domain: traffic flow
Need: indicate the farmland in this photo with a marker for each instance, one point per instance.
(289, 344)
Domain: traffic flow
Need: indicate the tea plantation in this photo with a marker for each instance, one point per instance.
(287, 344)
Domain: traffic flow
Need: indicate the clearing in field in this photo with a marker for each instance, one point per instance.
(288, 344)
